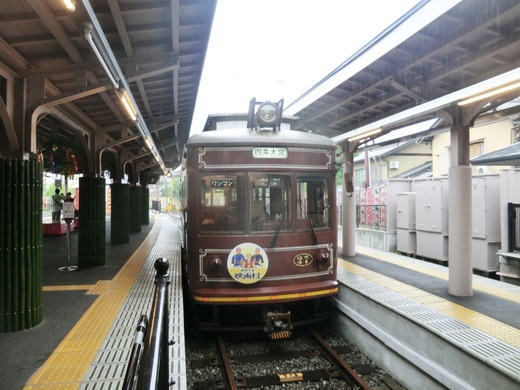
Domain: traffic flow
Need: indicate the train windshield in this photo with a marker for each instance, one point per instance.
(221, 203)
(269, 202)
(312, 206)
(269, 199)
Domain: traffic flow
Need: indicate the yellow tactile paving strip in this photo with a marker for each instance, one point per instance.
(488, 325)
(67, 365)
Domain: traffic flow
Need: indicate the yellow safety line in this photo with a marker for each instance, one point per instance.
(78, 287)
(69, 362)
(440, 274)
(490, 326)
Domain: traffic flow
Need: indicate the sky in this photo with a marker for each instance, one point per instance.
(278, 49)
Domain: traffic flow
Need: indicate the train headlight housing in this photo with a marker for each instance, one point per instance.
(216, 263)
(265, 115)
(323, 257)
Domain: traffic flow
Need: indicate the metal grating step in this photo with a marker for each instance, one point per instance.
(448, 325)
(469, 336)
(493, 349)
(510, 364)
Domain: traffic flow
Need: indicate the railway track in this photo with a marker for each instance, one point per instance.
(242, 362)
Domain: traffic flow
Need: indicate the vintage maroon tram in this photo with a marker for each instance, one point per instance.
(260, 229)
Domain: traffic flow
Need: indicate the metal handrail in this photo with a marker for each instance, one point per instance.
(153, 362)
(135, 355)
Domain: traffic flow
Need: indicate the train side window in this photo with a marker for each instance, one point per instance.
(269, 202)
(313, 202)
(221, 203)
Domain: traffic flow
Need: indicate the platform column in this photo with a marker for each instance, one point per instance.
(135, 209)
(120, 214)
(145, 206)
(460, 220)
(21, 244)
(91, 237)
(349, 203)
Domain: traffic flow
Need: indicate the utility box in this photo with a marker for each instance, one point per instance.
(405, 211)
(431, 213)
(405, 223)
(431, 206)
(394, 187)
(485, 242)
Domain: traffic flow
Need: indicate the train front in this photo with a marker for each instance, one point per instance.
(260, 245)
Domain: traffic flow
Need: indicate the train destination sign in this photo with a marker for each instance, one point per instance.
(223, 183)
(265, 152)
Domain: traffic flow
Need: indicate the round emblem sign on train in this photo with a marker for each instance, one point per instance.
(247, 263)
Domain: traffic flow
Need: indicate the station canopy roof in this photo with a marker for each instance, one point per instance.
(413, 72)
(416, 71)
(159, 47)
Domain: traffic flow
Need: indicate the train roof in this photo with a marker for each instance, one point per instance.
(260, 137)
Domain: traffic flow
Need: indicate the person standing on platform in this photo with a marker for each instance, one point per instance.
(57, 205)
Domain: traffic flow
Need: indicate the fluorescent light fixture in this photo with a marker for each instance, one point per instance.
(125, 99)
(90, 40)
(488, 94)
(407, 131)
(141, 130)
(97, 40)
(148, 143)
(70, 5)
(365, 134)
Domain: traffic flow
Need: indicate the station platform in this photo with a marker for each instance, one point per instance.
(90, 315)
(478, 332)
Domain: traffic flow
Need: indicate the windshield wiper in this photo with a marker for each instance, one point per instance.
(278, 226)
(309, 225)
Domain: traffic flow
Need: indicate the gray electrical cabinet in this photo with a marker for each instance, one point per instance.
(431, 213)
(485, 222)
(405, 222)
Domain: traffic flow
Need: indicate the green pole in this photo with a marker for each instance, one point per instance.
(135, 209)
(145, 205)
(21, 251)
(91, 237)
(120, 214)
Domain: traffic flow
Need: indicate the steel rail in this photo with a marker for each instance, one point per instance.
(227, 372)
(333, 357)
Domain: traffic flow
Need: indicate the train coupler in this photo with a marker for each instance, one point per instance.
(278, 325)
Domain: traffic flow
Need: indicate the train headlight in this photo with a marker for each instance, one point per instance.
(267, 114)
(323, 257)
(216, 263)
(264, 115)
